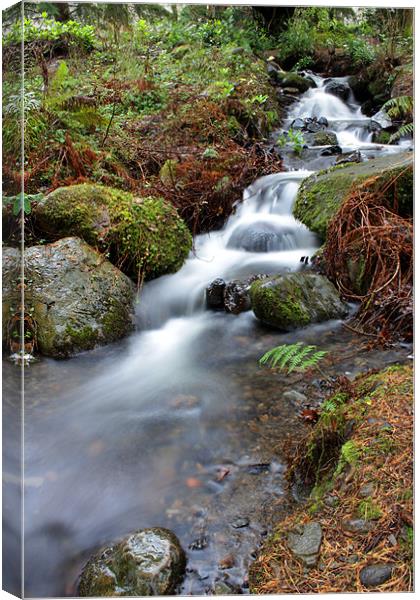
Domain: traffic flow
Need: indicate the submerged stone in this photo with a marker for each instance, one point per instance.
(149, 562)
(295, 300)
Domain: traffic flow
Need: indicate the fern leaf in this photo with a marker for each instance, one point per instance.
(407, 129)
(298, 358)
(313, 360)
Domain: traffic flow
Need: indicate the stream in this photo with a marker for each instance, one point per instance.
(178, 426)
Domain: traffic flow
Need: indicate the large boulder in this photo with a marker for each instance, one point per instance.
(76, 298)
(11, 280)
(149, 562)
(295, 300)
(143, 235)
(320, 195)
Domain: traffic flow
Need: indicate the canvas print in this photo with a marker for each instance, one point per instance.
(207, 299)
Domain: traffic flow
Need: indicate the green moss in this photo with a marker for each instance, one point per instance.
(293, 80)
(142, 234)
(368, 510)
(320, 196)
(286, 310)
(325, 138)
(83, 339)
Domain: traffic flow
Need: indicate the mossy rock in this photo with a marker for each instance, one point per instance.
(76, 298)
(295, 300)
(149, 562)
(321, 195)
(325, 138)
(293, 80)
(142, 234)
(11, 279)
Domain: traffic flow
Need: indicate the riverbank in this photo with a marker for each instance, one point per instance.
(355, 531)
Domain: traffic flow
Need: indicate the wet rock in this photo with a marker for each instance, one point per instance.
(331, 151)
(341, 90)
(149, 562)
(239, 522)
(354, 157)
(295, 397)
(291, 90)
(287, 80)
(325, 138)
(199, 544)
(263, 236)
(374, 575)
(295, 300)
(382, 119)
(222, 589)
(312, 126)
(323, 121)
(361, 526)
(77, 298)
(298, 124)
(306, 545)
(214, 294)
(236, 297)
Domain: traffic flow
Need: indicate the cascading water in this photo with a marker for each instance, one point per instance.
(170, 427)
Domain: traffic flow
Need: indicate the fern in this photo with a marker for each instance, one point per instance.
(292, 357)
(407, 129)
(401, 106)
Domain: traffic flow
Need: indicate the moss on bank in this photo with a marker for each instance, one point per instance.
(321, 195)
(359, 458)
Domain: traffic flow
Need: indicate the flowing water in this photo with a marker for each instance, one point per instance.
(177, 426)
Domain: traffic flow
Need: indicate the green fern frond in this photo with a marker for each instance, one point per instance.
(293, 357)
(407, 129)
(401, 106)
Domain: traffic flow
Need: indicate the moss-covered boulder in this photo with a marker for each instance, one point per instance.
(143, 235)
(295, 300)
(325, 138)
(76, 298)
(149, 562)
(293, 80)
(321, 194)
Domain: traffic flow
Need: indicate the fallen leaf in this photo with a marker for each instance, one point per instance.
(193, 482)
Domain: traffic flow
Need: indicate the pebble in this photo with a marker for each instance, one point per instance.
(239, 522)
(374, 575)
(357, 526)
(295, 397)
(367, 490)
(307, 544)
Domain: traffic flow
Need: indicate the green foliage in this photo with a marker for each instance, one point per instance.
(350, 455)
(50, 30)
(18, 105)
(401, 108)
(295, 138)
(292, 357)
(22, 202)
(368, 510)
(361, 52)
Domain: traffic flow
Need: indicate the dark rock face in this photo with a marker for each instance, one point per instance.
(11, 278)
(306, 545)
(374, 575)
(341, 90)
(331, 151)
(149, 562)
(233, 297)
(295, 300)
(77, 298)
(236, 297)
(214, 294)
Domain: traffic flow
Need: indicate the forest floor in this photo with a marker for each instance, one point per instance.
(358, 460)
